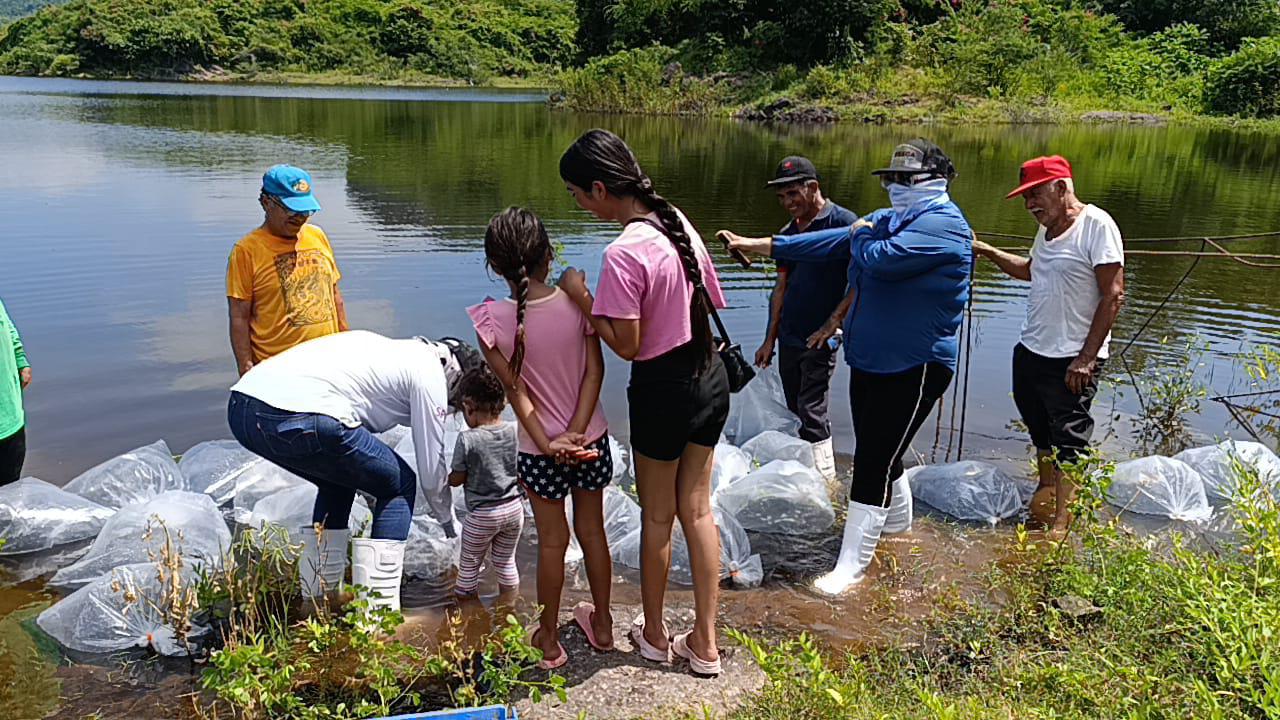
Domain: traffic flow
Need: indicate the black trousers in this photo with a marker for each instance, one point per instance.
(888, 410)
(13, 453)
(806, 383)
(1056, 418)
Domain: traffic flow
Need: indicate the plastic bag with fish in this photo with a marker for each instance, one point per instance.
(1214, 463)
(195, 528)
(37, 516)
(1160, 486)
(135, 476)
(112, 613)
(214, 468)
(785, 497)
(772, 445)
(759, 407)
(971, 490)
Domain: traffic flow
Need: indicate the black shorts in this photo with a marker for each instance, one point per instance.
(1056, 418)
(671, 405)
(550, 480)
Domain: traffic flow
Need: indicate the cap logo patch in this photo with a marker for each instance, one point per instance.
(302, 186)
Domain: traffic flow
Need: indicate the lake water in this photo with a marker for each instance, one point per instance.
(120, 201)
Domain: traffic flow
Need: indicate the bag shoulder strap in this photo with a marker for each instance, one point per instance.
(715, 316)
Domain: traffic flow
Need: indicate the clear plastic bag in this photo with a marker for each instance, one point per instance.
(731, 465)
(112, 614)
(1160, 486)
(429, 554)
(971, 490)
(736, 561)
(37, 516)
(394, 434)
(261, 480)
(135, 476)
(772, 445)
(291, 509)
(1214, 463)
(759, 407)
(214, 467)
(784, 497)
(623, 471)
(195, 527)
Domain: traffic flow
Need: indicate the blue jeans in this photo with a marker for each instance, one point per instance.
(338, 459)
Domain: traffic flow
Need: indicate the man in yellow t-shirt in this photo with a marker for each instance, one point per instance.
(282, 279)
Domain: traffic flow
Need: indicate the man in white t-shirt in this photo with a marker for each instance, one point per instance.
(1076, 271)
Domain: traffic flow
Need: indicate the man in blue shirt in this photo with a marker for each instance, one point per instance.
(909, 270)
(807, 308)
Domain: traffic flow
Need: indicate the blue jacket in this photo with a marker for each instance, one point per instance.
(911, 285)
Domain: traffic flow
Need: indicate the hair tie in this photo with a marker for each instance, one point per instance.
(645, 184)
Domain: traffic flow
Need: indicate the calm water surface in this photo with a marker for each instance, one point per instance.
(120, 201)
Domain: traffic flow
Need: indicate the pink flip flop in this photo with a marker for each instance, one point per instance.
(680, 646)
(582, 614)
(557, 661)
(647, 650)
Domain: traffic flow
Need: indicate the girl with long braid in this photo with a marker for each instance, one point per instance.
(549, 360)
(651, 306)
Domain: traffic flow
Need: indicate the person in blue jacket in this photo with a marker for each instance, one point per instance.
(909, 272)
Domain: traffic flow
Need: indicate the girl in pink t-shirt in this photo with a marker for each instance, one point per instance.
(549, 359)
(656, 288)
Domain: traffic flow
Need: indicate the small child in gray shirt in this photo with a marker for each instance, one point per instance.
(484, 464)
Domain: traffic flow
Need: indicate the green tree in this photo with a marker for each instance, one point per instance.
(1226, 21)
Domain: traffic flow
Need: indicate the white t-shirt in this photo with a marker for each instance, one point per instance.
(1064, 287)
(360, 378)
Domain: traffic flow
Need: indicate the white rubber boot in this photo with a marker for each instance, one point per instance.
(899, 520)
(824, 459)
(323, 562)
(378, 565)
(861, 534)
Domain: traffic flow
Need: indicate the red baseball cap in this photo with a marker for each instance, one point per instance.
(1039, 171)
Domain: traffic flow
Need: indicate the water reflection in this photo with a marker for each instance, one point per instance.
(128, 197)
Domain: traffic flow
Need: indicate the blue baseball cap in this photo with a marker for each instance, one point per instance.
(292, 186)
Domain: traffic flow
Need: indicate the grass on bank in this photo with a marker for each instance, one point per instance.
(1107, 625)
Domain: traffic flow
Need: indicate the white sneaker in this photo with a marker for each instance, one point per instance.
(861, 534)
(824, 459)
(378, 565)
(323, 561)
(900, 506)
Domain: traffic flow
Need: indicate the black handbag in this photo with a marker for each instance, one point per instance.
(736, 366)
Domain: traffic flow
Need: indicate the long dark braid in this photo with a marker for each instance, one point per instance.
(600, 156)
(515, 245)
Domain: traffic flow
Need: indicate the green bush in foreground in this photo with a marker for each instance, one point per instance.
(1120, 627)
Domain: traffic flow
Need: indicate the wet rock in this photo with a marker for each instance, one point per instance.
(1131, 118)
(786, 111)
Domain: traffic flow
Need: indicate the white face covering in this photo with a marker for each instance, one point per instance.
(909, 199)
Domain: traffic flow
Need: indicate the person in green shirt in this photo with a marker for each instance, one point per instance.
(15, 376)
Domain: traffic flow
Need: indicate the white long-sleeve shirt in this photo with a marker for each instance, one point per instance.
(360, 378)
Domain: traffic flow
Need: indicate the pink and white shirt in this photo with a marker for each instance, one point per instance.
(643, 279)
(555, 358)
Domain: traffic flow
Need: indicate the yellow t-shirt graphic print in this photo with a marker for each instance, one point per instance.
(290, 285)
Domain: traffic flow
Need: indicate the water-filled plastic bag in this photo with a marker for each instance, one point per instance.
(291, 509)
(772, 445)
(731, 464)
(759, 407)
(971, 490)
(736, 561)
(261, 480)
(214, 468)
(37, 516)
(1160, 486)
(1214, 463)
(785, 497)
(112, 614)
(429, 554)
(195, 527)
(135, 476)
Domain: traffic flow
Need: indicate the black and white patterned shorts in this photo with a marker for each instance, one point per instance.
(550, 480)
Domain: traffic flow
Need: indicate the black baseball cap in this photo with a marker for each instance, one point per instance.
(919, 156)
(793, 169)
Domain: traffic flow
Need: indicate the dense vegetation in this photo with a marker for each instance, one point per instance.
(472, 40)
(865, 59)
